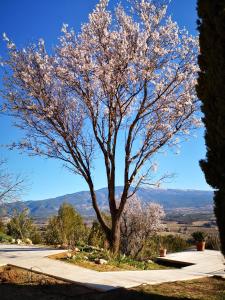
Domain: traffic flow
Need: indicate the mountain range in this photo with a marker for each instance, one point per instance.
(170, 199)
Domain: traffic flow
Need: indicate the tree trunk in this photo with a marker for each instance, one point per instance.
(219, 209)
(113, 233)
(115, 236)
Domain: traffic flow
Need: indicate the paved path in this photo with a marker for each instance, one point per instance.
(207, 263)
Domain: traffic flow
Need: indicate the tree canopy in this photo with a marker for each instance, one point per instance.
(123, 86)
(211, 91)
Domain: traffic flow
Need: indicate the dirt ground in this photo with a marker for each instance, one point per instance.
(20, 284)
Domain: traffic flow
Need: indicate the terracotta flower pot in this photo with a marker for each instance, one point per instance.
(200, 246)
(162, 252)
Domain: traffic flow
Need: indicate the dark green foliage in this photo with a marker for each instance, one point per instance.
(51, 234)
(67, 228)
(97, 236)
(199, 236)
(211, 91)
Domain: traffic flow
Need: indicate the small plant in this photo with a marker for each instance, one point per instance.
(199, 236)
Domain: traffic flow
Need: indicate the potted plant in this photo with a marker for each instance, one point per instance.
(199, 238)
(162, 251)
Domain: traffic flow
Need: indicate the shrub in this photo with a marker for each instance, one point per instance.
(21, 225)
(67, 228)
(97, 236)
(36, 237)
(51, 233)
(4, 238)
(173, 243)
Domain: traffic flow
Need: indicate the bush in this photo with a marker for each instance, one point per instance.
(67, 228)
(4, 238)
(97, 237)
(36, 237)
(51, 234)
(21, 225)
(173, 243)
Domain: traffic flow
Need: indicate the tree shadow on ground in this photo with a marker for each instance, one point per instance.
(10, 291)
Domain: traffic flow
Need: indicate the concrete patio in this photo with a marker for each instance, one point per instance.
(201, 264)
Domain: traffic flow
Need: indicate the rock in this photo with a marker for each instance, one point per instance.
(19, 242)
(103, 261)
(13, 241)
(100, 261)
(76, 249)
(69, 255)
(28, 241)
(85, 257)
(149, 261)
(74, 257)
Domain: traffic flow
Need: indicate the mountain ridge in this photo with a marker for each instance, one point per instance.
(171, 199)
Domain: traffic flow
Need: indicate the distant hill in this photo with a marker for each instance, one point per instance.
(171, 199)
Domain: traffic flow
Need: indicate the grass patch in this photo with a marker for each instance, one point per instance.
(86, 259)
(202, 289)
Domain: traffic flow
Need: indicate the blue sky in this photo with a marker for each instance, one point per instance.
(25, 21)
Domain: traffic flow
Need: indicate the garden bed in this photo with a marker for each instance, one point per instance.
(90, 259)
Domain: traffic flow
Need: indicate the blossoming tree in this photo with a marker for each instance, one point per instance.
(124, 86)
(139, 222)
